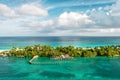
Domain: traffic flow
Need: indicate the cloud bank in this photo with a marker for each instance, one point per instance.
(38, 20)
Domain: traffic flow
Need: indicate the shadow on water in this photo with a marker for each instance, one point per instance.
(52, 74)
(12, 75)
(7, 71)
(106, 69)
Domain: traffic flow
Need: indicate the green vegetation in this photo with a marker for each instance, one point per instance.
(49, 51)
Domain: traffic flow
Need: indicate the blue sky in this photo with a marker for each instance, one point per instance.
(59, 17)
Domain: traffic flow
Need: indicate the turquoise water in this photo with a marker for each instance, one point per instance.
(99, 68)
(77, 41)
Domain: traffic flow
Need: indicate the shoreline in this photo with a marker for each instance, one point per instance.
(62, 52)
(3, 50)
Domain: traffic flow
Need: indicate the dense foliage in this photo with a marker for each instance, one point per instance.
(48, 51)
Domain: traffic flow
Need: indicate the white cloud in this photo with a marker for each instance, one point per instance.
(101, 21)
(116, 9)
(33, 10)
(102, 30)
(65, 21)
(7, 11)
(25, 9)
(107, 17)
(86, 32)
(40, 25)
(74, 19)
(80, 24)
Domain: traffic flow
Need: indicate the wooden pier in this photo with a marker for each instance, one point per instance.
(35, 57)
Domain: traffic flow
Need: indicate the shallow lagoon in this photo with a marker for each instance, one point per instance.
(98, 68)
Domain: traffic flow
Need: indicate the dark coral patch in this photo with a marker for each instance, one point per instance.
(51, 74)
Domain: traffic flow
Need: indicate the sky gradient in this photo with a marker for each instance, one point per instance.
(59, 17)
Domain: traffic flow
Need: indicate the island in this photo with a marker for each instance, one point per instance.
(67, 52)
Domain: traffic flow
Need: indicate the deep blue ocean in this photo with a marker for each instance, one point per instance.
(76, 41)
(80, 68)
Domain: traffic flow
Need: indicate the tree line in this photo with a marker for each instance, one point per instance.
(48, 51)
